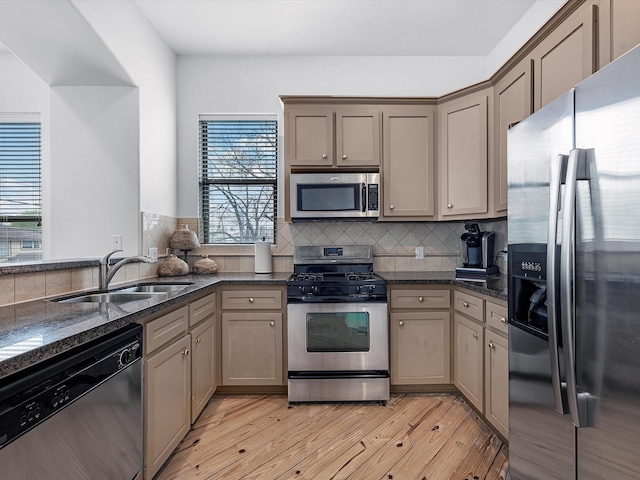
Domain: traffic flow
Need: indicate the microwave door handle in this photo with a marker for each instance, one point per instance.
(364, 196)
(577, 402)
(556, 179)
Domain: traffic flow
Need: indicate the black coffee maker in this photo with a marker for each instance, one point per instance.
(477, 252)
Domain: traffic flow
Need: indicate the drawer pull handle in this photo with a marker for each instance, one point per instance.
(250, 299)
(503, 320)
(324, 155)
(421, 299)
(449, 205)
(492, 345)
(475, 335)
(273, 324)
(391, 207)
(465, 304)
(401, 323)
(185, 352)
(344, 157)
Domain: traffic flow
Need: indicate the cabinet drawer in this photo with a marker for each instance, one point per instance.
(423, 298)
(469, 305)
(163, 329)
(251, 299)
(201, 309)
(496, 316)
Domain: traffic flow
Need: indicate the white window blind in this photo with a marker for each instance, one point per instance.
(238, 178)
(20, 187)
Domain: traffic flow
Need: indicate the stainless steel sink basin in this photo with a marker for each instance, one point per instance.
(109, 297)
(156, 287)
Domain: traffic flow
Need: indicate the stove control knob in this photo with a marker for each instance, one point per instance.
(314, 290)
(371, 288)
(125, 357)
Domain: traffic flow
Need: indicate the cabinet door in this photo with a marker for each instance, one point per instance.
(463, 156)
(497, 382)
(420, 348)
(625, 19)
(203, 380)
(565, 57)
(467, 359)
(252, 348)
(310, 138)
(167, 389)
(513, 103)
(408, 165)
(357, 138)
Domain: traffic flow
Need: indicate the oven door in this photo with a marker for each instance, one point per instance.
(332, 337)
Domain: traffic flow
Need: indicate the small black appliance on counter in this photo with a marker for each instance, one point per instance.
(477, 252)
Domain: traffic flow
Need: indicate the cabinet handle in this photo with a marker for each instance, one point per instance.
(421, 299)
(475, 335)
(503, 320)
(449, 205)
(391, 207)
(324, 156)
(250, 299)
(401, 323)
(273, 324)
(492, 345)
(465, 304)
(198, 340)
(185, 352)
(344, 157)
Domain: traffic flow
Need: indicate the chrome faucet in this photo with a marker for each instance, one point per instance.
(107, 272)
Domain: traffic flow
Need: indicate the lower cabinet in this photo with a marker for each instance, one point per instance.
(419, 336)
(251, 339)
(480, 356)
(203, 367)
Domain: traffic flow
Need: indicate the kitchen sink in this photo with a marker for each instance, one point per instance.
(109, 297)
(156, 287)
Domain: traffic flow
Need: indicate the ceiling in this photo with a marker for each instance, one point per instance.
(334, 27)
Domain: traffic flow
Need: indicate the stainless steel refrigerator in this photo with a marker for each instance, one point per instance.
(574, 282)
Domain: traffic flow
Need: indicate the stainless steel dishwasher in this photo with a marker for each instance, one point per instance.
(77, 415)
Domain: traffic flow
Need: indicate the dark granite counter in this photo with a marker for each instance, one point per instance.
(37, 330)
(494, 286)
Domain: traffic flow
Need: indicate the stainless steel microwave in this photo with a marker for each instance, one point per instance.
(346, 196)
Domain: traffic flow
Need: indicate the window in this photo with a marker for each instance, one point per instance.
(238, 178)
(20, 187)
(30, 245)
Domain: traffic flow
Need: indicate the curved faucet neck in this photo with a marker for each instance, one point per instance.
(107, 272)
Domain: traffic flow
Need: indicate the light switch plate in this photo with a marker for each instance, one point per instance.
(153, 254)
(420, 253)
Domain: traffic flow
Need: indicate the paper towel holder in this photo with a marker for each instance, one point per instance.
(262, 257)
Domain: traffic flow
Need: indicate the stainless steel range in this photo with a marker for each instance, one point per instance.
(337, 326)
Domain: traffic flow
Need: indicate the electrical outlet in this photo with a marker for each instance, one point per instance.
(117, 242)
(153, 254)
(420, 253)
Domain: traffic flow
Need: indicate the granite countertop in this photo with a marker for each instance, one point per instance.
(37, 330)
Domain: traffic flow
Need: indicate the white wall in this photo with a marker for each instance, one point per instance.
(253, 85)
(151, 64)
(94, 178)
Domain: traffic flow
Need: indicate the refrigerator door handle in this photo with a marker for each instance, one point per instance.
(556, 179)
(577, 403)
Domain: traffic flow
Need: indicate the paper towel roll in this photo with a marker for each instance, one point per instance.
(263, 257)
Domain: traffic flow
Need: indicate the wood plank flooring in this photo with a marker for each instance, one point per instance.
(415, 436)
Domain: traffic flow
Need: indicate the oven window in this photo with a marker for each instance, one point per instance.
(338, 332)
(329, 198)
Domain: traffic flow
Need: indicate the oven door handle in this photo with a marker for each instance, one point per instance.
(363, 192)
(333, 374)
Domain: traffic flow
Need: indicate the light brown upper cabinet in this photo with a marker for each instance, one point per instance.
(463, 155)
(512, 103)
(407, 163)
(625, 33)
(566, 56)
(328, 137)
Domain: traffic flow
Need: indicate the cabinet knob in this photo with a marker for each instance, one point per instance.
(250, 299)
(391, 207)
(324, 156)
(503, 320)
(185, 352)
(401, 323)
(465, 304)
(198, 340)
(449, 205)
(421, 299)
(492, 345)
(344, 157)
(273, 324)
(475, 335)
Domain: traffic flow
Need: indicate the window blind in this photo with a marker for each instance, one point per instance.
(238, 179)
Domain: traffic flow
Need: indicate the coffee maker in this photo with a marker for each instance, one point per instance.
(477, 252)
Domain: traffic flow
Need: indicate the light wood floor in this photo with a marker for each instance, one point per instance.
(417, 436)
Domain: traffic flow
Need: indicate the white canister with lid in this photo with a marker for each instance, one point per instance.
(263, 256)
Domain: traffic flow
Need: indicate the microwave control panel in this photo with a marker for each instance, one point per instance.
(372, 200)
